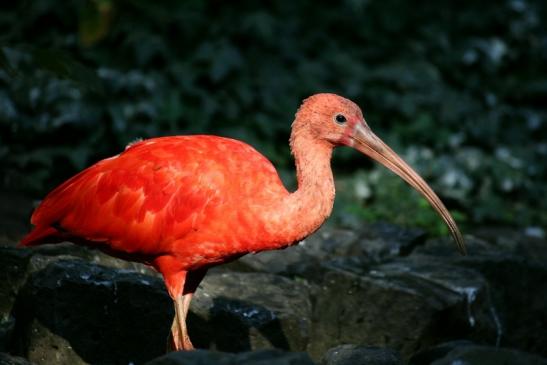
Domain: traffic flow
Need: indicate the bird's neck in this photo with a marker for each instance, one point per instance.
(302, 212)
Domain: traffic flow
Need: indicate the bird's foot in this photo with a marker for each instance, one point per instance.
(179, 345)
(178, 341)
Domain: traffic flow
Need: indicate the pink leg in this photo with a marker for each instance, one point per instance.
(173, 341)
(179, 339)
(179, 331)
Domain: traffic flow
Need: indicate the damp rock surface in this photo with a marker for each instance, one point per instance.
(243, 311)
(383, 240)
(13, 274)
(7, 327)
(7, 359)
(304, 258)
(420, 299)
(43, 255)
(402, 305)
(361, 355)
(74, 312)
(372, 244)
(485, 355)
(430, 354)
(518, 284)
(260, 357)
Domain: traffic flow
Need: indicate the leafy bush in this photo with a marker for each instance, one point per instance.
(458, 87)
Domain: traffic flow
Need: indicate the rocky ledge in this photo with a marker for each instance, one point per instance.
(385, 295)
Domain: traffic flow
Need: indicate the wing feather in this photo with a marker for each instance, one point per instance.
(155, 193)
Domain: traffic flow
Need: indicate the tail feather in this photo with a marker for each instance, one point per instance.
(40, 235)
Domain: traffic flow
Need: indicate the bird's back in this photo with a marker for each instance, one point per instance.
(159, 193)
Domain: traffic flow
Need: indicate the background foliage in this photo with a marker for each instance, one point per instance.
(459, 88)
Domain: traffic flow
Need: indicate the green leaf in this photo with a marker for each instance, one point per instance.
(5, 64)
(64, 66)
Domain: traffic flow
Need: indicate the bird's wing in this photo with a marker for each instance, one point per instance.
(156, 191)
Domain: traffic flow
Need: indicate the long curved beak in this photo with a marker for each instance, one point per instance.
(365, 141)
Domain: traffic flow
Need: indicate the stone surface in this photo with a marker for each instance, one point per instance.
(402, 305)
(427, 356)
(78, 313)
(7, 359)
(382, 240)
(13, 273)
(14, 270)
(243, 311)
(518, 286)
(17, 264)
(261, 357)
(43, 255)
(361, 355)
(515, 241)
(382, 286)
(302, 259)
(444, 247)
(374, 243)
(484, 355)
(7, 327)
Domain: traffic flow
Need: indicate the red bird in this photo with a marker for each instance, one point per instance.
(185, 203)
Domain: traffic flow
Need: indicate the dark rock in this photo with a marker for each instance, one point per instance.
(13, 273)
(431, 354)
(75, 312)
(14, 270)
(361, 355)
(45, 346)
(261, 357)
(45, 254)
(382, 240)
(17, 264)
(244, 311)
(377, 242)
(403, 305)
(475, 316)
(484, 355)
(520, 297)
(302, 259)
(444, 247)
(7, 359)
(498, 293)
(515, 241)
(518, 286)
(6, 331)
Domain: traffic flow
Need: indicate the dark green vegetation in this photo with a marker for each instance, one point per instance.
(458, 88)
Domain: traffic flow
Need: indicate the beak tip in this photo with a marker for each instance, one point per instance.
(460, 243)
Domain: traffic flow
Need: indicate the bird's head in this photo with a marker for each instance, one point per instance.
(337, 121)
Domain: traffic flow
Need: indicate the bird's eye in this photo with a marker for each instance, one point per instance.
(340, 118)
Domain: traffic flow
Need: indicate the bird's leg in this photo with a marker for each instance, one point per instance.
(179, 331)
(188, 281)
(173, 340)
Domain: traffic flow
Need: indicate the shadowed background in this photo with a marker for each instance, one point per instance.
(458, 88)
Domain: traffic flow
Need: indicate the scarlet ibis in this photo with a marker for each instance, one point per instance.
(186, 203)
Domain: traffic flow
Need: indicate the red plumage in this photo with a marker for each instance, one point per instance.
(187, 197)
